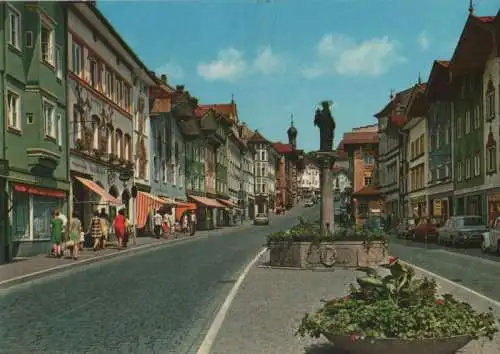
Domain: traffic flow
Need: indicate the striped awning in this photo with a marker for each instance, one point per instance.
(146, 203)
(94, 187)
(207, 202)
(227, 203)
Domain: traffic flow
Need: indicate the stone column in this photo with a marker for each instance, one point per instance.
(326, 186)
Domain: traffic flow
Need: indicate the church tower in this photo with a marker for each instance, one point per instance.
(292, 134)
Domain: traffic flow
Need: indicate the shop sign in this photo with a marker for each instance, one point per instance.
(437, 207)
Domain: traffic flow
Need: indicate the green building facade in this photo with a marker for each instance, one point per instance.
(34, 151)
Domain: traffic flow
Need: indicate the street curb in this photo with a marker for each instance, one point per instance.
(5, 284)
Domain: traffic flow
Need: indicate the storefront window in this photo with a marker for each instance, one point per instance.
(20, 217)
(31, 216)
(42, 210)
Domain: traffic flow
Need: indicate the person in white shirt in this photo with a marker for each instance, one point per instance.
(158, 221)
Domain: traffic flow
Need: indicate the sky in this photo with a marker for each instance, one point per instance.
(282, 57)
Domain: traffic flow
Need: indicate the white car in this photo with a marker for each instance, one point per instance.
(309, 203)
(261, 219)
(491, 238)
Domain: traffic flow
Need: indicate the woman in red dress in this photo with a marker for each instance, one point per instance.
(120, 224)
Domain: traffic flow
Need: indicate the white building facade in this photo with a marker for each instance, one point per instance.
(265, 166)
(309, 180)
(102, 75)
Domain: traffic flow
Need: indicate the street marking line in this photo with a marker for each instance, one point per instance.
(61, 267)
(216, 324)
(451, 282)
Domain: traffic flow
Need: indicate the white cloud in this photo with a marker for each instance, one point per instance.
(340, 54)
(232, 65)
(423, 40)
(267, 62)
(171, 69)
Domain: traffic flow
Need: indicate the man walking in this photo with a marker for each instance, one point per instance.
(158, 221)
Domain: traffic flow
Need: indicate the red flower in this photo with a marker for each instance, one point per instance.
(346, 298)
(354, 337)
(440, 301)
(393, 259)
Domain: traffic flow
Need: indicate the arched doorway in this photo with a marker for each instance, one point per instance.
(114, 191)
(126, 200)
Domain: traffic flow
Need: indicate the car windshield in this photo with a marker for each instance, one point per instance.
(473, 221)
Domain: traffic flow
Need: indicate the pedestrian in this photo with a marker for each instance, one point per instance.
(104, 227)
(120, 226)
(56, 227)
(95, 229)
(75, 230)
(193, 223)
(185, 224)
(158, 221)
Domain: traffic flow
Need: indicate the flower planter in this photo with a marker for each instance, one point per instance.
(397, 345)
(327, 254)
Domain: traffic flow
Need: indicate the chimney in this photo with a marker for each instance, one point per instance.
(179, 88)
(164, 78)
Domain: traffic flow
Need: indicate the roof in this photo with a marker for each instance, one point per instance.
(245, 132)
(160, 97)
(474, 46)
(229, 110)
(367, 191)
(355, 138)
(395, 108)
(283, 148)
(418, 105)
(257, 137)
(439, 83)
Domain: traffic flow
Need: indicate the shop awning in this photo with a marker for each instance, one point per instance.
(146, 203)
(181, 208)
(207, 202)
(94, 187)
(227, 203)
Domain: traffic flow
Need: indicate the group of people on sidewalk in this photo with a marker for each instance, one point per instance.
(165, 225)
(72, 236)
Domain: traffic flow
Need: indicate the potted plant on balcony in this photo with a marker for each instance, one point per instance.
(397, 313)
(305, 246)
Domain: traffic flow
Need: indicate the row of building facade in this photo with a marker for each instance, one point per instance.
(89, 126)
(434, 152)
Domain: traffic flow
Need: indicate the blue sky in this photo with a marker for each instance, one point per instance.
(283, 57)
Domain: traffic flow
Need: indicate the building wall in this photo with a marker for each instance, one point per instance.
(195, 166)
(141, 133)
(234, 168)
(364, 165)
(309, 178)
(34, 121)
(417, 151)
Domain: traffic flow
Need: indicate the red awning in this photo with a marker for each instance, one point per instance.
(227, 203)
(46, 192)
(146, 203)
(207, 202)
(94, 187)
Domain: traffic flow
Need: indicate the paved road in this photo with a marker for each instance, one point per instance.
(465, 266)
(159, 301)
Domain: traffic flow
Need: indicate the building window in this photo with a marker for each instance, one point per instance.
(476, 119)
(59, 69)
(95, 132)
(459, 171)
(47, 43)
(156, 166)
(128, 148)
(59, 137)
(109, 84)
(49, 116)
(447, 134)
(467, 122)
(164, 171)
(491, 158)
(127, 97)
(13, 110)
(94, 73)
(109, 140)
(368, 159)
(14, 28)
(477, 164)
(459, 127)
(467, 168)
(77, 54)
(490, 101)
(367, 181)
(119, 144)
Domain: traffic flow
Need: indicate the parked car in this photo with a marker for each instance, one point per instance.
(309, 203)
(261, 219)
(491, 238)
(405, 228)
(426, 230)
(462, 230)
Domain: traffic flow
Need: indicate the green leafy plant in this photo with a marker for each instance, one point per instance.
(397, 305)
(310, 231)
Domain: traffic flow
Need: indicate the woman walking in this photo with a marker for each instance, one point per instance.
(75, 230)
(120, 225)
(104, 227)
(96, 230)
(56, 225)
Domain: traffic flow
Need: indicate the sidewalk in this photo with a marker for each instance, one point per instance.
(271, 302)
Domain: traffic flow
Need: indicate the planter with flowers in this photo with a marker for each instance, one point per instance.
(397, 313)
(305, 246)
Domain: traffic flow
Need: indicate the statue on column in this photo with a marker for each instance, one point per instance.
(326, 123)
